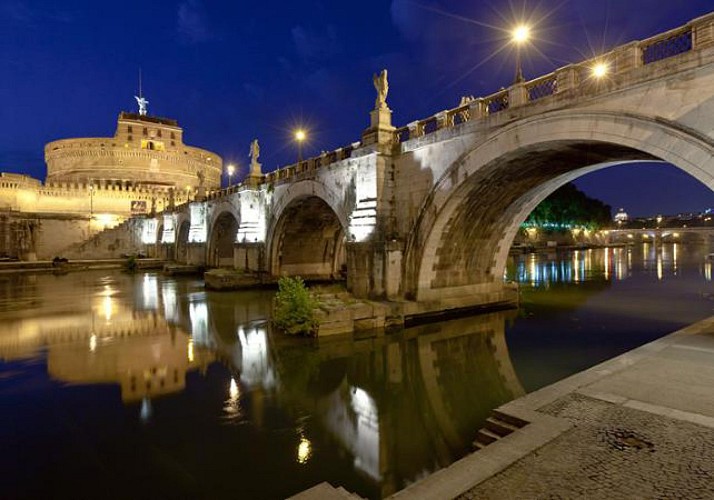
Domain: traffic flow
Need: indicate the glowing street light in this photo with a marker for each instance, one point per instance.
(230, 170)
(519, 36)
(600, 70)
(300, 136)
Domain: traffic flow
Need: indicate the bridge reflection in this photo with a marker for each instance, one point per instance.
(399, 405)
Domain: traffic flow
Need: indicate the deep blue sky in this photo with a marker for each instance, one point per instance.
(231, 71)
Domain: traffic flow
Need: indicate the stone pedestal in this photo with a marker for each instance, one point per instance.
(380, 130)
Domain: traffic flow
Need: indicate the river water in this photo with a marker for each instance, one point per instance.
(135, 386)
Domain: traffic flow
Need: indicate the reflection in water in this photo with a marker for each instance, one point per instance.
(304, 450)
(255, 367)
(609, 264)
(396, 406)
(232, 406)
(211, 379)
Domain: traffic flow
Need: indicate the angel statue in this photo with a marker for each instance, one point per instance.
(254, 151)
(382, 87)
(142, 102)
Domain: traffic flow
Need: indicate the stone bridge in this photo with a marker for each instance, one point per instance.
(425, 214)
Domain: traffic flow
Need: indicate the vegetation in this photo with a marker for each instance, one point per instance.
(130, 264)
(568, 208)
(294, 307)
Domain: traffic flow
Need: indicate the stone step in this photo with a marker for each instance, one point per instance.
(499, 426)
(476, 446)
(509, 419)
(486, 437)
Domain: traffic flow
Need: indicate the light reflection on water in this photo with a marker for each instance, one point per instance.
(218, 394)
(610, 264)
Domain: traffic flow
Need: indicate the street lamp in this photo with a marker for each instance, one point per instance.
(91, 204)
(230, 170)
(300, 136)
(520, 35)
(599, 70)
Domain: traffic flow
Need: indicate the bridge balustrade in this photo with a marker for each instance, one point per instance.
(698, 34)
(673, 43)
(430, 125)
(542, 87)
(458, 116)
(401, 135)
(496, 103)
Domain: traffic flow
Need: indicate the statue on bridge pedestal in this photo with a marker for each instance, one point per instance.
(254, 154)
(382, 86)
(380, 118)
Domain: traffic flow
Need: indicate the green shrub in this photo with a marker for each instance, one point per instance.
(130, 264)
(294, 307)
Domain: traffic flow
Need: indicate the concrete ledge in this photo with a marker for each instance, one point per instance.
(603, 382)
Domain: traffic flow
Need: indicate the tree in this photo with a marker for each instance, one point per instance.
(569, 207)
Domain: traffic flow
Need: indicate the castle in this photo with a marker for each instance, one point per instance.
(96, 183)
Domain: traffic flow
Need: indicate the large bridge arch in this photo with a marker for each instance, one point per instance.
(461, 237)
(306, 232)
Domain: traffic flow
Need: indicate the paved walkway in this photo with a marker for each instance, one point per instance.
(638, 426)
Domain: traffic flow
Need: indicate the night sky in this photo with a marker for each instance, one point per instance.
(232, 71)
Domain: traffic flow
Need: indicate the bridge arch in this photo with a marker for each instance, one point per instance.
(306, 232)
(467, 223)
(183, 224)
(223, 230)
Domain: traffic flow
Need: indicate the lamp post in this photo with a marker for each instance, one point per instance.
(519, 36)
(91, 206)
(300, 136)
(230, 170)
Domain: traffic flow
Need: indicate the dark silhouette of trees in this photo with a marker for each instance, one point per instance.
(569, 207)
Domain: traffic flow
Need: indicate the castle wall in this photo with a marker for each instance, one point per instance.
(144, 151)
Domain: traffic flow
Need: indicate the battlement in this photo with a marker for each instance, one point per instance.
(150, 119)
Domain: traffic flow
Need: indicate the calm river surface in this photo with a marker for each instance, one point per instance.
(138, 386)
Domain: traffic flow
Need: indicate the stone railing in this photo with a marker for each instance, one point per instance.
(695, 35)
(310, 164)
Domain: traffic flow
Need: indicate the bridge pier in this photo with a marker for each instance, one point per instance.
(374, 269)
(249, 257)
(196, 254)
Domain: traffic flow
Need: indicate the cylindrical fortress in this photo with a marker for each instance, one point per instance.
(145, 152)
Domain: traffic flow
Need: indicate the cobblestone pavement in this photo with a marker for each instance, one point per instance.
(613, 452)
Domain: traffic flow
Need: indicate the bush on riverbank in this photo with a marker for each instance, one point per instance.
(131, 265)
(294, 307)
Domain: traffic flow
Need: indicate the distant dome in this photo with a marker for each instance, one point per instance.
(621, 216)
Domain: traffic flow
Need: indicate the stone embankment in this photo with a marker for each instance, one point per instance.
(640, 425)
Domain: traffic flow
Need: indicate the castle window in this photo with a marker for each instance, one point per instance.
(129, 138)
(129, 129)
(146, 132)
(173, 143)
(158, 133)
(173, 136)
(152, 145)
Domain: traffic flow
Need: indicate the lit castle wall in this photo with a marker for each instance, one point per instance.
(96, 183)
(145, 151)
